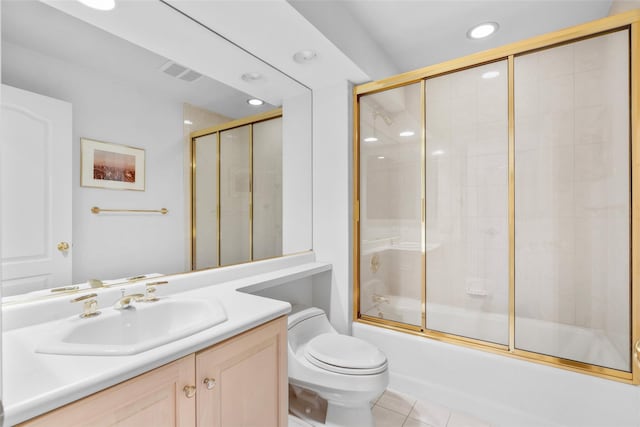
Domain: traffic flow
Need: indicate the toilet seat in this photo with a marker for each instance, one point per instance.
(344, 354)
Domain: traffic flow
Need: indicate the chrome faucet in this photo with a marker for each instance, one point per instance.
(125, 301)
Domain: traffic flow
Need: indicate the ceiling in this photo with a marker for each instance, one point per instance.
(411, 34)
(363, 40)
(355, 40)
(40, 28)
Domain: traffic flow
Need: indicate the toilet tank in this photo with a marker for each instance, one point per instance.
(305, 323)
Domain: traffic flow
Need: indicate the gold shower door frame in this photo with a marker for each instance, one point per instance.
(251, 120)
(629, 21)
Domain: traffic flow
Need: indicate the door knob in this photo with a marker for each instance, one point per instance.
(210, 383)
(63, 246)
(189, 391)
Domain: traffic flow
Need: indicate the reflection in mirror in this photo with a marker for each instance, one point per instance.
(245, 158)
(119, 92)
(234, 195)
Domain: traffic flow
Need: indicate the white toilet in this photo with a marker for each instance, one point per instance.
(345, 371)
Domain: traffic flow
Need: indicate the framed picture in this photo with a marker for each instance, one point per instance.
(112, 166)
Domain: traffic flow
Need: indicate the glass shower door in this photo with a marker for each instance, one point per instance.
(235, 195)
(572, 205)
(391, 227)
(205, 209)
(267, 189)
(467, 228)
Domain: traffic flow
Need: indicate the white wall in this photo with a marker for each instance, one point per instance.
(115, 245)
(332, 230)
(296, 173)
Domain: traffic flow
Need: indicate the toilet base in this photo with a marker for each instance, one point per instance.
(342, 416)
(313, 409)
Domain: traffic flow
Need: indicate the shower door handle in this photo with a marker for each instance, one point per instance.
(636, 353)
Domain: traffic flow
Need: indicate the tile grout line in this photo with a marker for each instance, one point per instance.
(409, 413)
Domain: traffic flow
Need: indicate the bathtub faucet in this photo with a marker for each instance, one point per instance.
(379, 298)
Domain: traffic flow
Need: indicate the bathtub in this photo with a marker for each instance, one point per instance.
(566, 341)
(503, 390)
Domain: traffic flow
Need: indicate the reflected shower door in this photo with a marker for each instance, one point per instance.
(572, 201)
(391, 266)
(267, 189)
(467, 237)
(235, 196)
(205, 188)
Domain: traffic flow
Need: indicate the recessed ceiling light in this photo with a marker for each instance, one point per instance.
(255, 102)
(490, 74)
(380, 157)
(304, 56)
(188, 122)
(407, 133)
(483, 30)
(99, 4)
(251, 77)
(437, 152)
(370, 139)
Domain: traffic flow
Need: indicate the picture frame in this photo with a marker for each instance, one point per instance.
(111, 166)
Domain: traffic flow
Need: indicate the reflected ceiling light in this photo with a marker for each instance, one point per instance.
(380, 157)
(370, 139)
(490, 74)
(483, 30)
(407, 133)
(437, 152)
(99, 4)
(255, 102)
(304, 56)
(188, 122)
(251, 77)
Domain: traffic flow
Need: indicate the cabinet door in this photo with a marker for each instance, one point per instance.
(152, 399)
(243, 381)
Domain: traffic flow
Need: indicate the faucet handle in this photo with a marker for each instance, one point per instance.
(89, 308)
(150, 290)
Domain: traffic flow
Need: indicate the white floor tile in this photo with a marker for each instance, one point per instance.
(410, 422)
(386, 418)
(430, 414)
(458, 419)
(396, 402)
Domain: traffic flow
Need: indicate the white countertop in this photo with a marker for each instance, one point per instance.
(35, 383)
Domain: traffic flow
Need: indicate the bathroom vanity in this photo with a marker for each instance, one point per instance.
(241, 381)
(232, 373)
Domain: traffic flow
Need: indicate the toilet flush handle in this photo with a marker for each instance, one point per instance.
(210, 383)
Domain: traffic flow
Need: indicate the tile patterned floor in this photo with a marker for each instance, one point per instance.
(394, 409)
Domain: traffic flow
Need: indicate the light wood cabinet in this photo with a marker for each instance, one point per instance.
(250, 375)
(246, 386)
(151, 399)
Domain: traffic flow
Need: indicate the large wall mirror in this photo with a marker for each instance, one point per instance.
(147, 76)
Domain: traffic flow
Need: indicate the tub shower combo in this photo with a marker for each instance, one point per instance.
(495, 198)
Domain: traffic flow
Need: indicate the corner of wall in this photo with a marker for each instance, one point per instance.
(332, 229)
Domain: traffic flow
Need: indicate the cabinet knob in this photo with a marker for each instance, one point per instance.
(189, 391)
(210, 383)
(63, 246)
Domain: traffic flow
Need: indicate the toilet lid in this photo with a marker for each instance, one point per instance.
(345, 354)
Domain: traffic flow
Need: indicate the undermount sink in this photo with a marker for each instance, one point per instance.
(129, 331)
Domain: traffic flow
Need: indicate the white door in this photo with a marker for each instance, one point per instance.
(35, 167)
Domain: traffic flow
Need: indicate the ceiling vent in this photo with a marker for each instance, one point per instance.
(183, 73)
